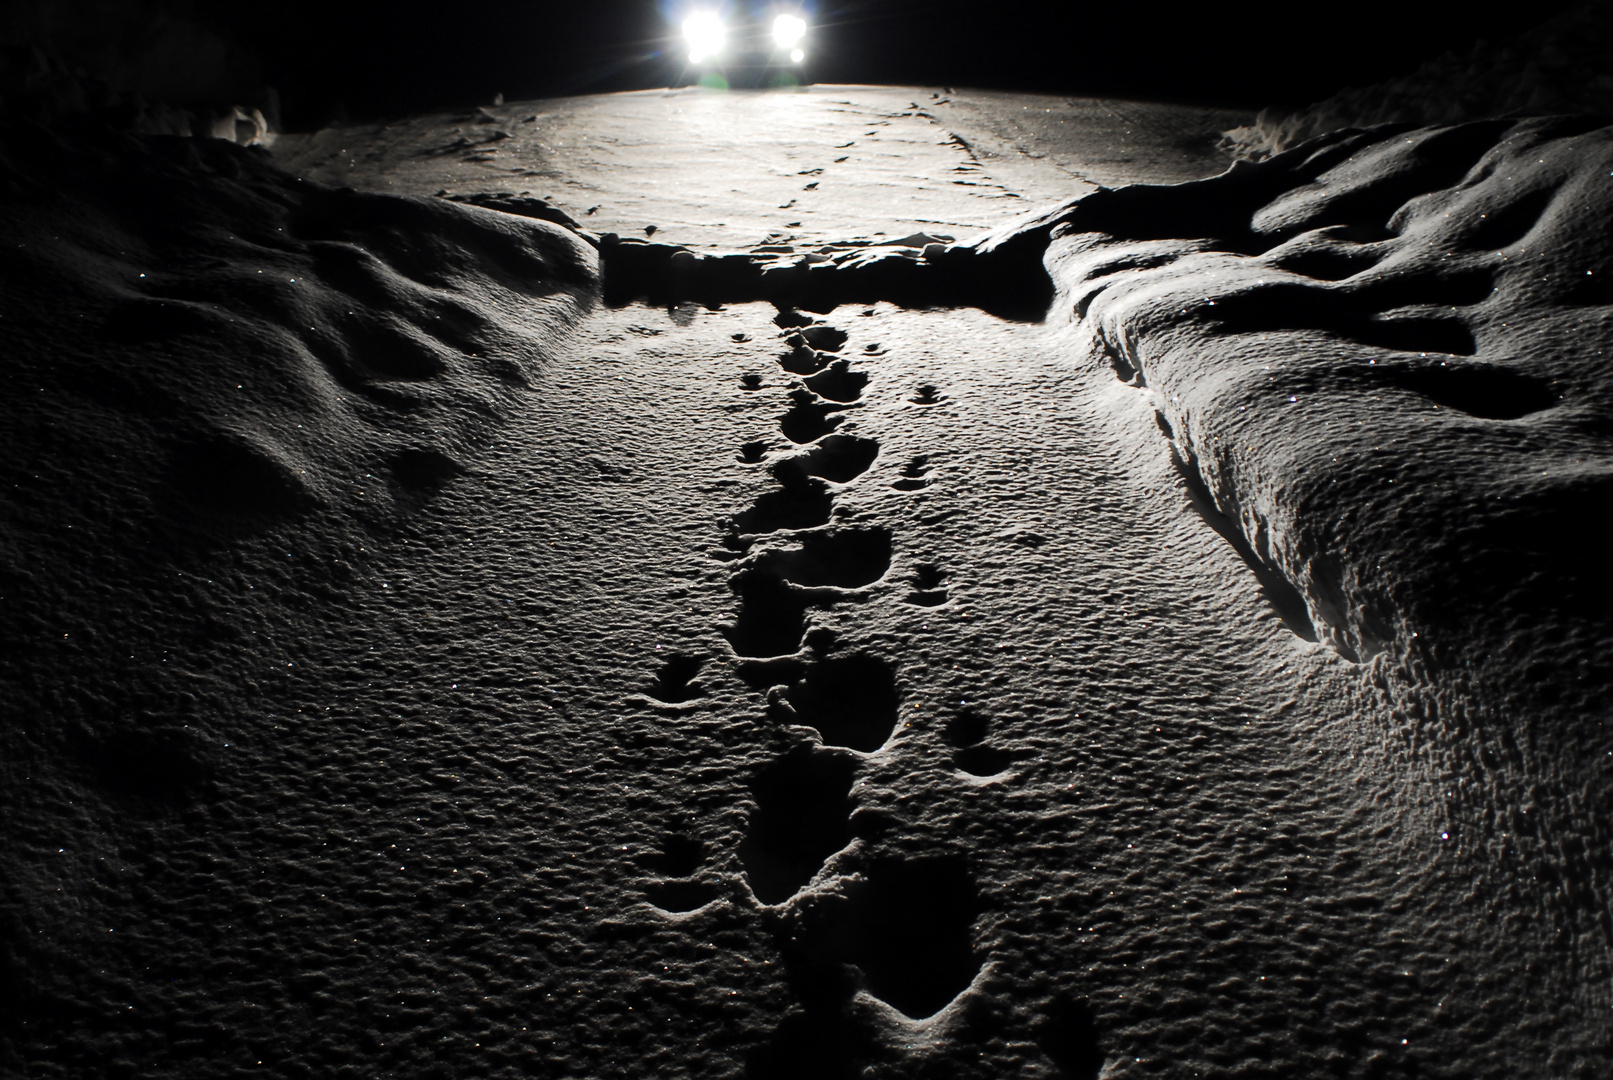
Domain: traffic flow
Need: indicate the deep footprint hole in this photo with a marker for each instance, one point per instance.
(424, 469)
(790, 320)
(677, 856)
(809, 419)
(802, 816)
(843, 558)
(680, 896)
(838, 382)
(983, 760)
(676, 683)
(929, 586)
(915, 474)
(838, 459)
(911, 932)
(772, 616)
(802, 360)
(792, 506)
(1067, 1033)
(810, 1046)
(852, 701)
(827, 338)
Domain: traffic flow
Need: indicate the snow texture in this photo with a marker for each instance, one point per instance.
(1162, 635)
(1381, 335)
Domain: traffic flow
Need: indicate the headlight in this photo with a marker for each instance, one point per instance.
(704, 32)
(787, 31)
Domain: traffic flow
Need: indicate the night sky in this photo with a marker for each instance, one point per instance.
(373, 58)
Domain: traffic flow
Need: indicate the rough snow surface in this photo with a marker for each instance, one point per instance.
(442, 661)
(1381, 335)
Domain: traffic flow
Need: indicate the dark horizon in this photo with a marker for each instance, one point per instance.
(366, 59)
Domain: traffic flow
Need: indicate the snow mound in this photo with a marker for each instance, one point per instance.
(1383, 357)
(197, 341)
(1563, 66)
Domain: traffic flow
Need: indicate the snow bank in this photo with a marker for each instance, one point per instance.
(197, 341)
(1383, 356)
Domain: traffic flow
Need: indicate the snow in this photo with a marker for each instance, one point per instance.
(1028, 625)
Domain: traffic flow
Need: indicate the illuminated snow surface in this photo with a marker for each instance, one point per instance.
(420, 666)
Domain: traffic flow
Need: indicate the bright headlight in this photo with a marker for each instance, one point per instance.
(704, 32)
(788, 29)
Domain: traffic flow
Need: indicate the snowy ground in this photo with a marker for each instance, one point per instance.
(887, 701)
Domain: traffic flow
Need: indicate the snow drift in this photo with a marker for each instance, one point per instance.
(1383, 356)
(187, 324)
(200, 347)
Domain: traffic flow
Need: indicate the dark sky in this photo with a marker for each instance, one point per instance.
(378, 58)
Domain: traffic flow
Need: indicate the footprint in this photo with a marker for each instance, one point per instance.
(809, 419)
(852, 701)
(802, 816)
(1068, 1034)
(965, 732)
(153, 764)
(774, 591)
(842, 558)
(791, 319)
(753, 451)
(812, 1046)
(915, 474)
(742, 338)
(827, 338)
(929, 587)
(802, 359)
(838, 459)
(680, 856)
(771, 620)
(838, 382)
(926, 395)
(750, 381)
(677, 683)
(801, 505)
(679, 897)
(910, 932)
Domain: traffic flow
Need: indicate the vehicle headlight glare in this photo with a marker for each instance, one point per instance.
(704, 32)
(788, 30)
